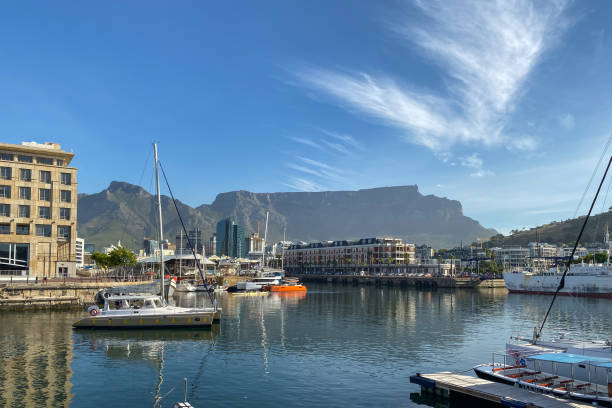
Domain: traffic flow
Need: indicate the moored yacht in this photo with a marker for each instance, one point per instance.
(142, 311)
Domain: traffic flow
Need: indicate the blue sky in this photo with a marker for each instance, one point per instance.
(503, 105)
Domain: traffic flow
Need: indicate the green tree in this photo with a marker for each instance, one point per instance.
(122, 257)
(101, 259)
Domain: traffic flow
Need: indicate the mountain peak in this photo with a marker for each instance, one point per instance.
(116, 186)
(400, 211)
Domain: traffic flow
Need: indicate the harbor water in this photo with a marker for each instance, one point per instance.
(332, 347)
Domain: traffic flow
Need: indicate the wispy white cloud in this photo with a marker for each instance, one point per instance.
(304, 169)
(302, 184)
(486, 49)
(305, 141)
(340, 148)
(474, 162)
(315, 175)
(348, 140)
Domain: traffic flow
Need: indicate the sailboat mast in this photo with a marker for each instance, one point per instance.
(181, 256)
(263, 248)
(283, 249)
(161, 228)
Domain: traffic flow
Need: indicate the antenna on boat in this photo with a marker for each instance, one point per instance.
(161, 228)
(538, 333)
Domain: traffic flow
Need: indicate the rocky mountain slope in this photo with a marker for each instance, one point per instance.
(128, 212)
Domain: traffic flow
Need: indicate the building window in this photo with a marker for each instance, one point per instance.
(59, 162)
(44, 212)
(43, 230)
(65, 196)
(63, 232)
(25, 174)
(66, 179)
(25, 159)
(44, 194)
(23, 229)
(45, 176)
(44, 160)
(5, 210)
(64, 213)
(6, 173)
(5, 191)
(25, 193)
(7, 156)
(24, 211)
(5, 228)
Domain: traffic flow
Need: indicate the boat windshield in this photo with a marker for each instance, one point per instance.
(118, 304)
(152, 303)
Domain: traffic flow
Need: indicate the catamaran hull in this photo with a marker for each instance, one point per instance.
(194, 320)
(575, 285)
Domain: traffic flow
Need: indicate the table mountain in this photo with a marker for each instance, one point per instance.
(128, 212)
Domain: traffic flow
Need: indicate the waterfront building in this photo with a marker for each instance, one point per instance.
(566, 251)
(182, 244)
(423, 253)
(254, 244)
(230, 238)
(542, 250)
(279, 247)
(362, 252)
(38, 210)
(511, 256)
(79, 252)
(210, 246)
(542, 255)
(150, 246)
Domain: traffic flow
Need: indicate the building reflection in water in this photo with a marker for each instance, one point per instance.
(35, 358)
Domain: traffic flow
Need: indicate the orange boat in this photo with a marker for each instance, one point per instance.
(287, 288)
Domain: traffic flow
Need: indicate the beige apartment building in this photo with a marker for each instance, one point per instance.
(38, 211)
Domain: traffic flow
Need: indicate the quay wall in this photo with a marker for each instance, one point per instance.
(54, 295)
(392, 280)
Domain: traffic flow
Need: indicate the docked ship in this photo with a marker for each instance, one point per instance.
(594, 280)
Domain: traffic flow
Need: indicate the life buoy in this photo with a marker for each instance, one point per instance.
(93, 310)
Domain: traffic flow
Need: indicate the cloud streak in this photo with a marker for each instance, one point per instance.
(486, 51)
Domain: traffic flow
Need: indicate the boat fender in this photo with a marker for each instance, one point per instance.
(93, 310)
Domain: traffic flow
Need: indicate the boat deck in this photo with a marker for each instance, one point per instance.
(492, 392)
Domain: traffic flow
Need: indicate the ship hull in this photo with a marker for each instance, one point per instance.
(589, 285)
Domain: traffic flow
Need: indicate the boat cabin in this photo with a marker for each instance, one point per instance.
(132, 302)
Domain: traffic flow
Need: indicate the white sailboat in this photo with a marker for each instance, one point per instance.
(140, 311)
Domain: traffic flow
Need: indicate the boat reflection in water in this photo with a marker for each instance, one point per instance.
(153, 348)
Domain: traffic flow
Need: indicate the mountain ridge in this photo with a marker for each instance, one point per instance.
(128, 212)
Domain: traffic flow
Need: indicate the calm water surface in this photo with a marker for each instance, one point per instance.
(335, 346)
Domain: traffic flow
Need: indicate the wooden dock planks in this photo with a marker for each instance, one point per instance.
(492, 391)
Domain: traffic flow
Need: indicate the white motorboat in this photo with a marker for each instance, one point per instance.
(140, 311)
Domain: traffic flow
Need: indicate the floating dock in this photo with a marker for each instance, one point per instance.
(463, 389)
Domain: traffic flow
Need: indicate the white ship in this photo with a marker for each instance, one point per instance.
(581, 280)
